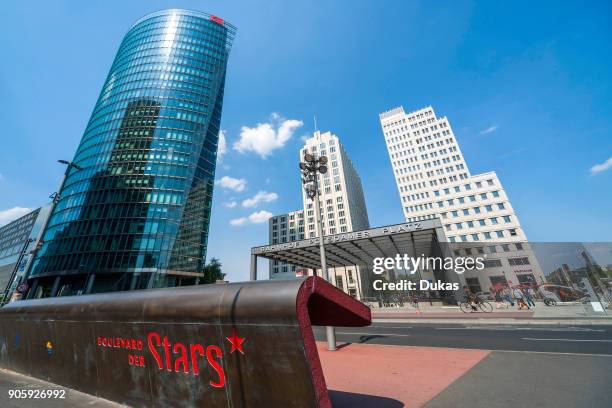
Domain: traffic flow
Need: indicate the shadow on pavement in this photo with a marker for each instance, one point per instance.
(353, 400)
(365, 339)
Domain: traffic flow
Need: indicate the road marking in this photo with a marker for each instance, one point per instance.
(376, 334)
(391, 327)
(552, 329)
(481, 349)
(591, 340)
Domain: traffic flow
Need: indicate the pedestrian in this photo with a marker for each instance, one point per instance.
(520, 298)
(508, 296)
(529, 296)
(499, 301)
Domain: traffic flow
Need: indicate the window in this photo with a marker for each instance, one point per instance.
(506, 218)
(501, 206)
(457, 189)
(505, 247)
(472, 198)
(518, 261)
(443, 215)
(461, 200)
(466, 211)
(440, 203)
(492, 263)
(478, 184)
(500, 234)
(455, 214)
(470, 224)
(468, 187)
(489, 208)
(495, 194)
(476, 210)
(482, 223)
(459, 225)
(519, 246)
(437, 193)
(512, 232)
(493, 220)
(474, 237)
(483, 196)
(487, 235)
(492, 249)
(464, 238)
(450, 202)
(490, 182)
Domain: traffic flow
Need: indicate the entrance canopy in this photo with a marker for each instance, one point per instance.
(358, 248)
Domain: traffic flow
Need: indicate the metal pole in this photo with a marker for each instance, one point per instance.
(331, 333)
(254, 267)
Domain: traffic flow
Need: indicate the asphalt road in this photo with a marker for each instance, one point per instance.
(529, 366)
(553, 339)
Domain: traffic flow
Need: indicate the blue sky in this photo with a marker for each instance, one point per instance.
(538, 76)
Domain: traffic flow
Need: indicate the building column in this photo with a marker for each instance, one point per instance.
(89, 284)
(32, 290)
(55, 287)
(253, 267)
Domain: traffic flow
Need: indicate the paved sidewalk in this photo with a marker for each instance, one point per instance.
(10, 380)
(575, 314)
(363, 375)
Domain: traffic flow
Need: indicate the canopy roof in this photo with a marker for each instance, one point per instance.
(359, 247)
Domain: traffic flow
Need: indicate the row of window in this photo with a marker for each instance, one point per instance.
(481, 223)
(456, 213)
(485, 235)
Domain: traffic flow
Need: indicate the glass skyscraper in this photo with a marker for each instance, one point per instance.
(136, 215)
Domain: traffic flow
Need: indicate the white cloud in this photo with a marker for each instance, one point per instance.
(238, 221)
(255, 218)
(222, 146)
(598, 168)
(488, 130)
(260, 197)
(12, 214)
(232, 183)
(260, 216)
(231, 204)
(266, 137)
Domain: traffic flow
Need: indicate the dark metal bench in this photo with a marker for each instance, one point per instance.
(241, 344)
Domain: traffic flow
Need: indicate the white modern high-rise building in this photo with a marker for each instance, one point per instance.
(342, 202)
(434, 181)
(343, 209)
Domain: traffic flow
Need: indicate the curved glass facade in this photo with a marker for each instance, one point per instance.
(137, 214)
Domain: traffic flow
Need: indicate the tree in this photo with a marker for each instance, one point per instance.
(212, 271)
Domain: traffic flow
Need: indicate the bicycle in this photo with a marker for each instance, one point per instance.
(483, 305)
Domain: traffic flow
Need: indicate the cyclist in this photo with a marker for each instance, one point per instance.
(471, 298)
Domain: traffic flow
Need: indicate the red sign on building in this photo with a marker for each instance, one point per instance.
(217, 20)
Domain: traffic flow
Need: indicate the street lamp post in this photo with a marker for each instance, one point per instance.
(311, 166)
(55, 197)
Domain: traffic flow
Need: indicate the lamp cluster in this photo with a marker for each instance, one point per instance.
(310, 167)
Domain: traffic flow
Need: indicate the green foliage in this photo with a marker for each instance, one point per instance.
(212, 271)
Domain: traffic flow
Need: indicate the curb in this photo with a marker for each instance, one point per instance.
(516, 322)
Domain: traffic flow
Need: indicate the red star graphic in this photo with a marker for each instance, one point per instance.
(236, 342)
